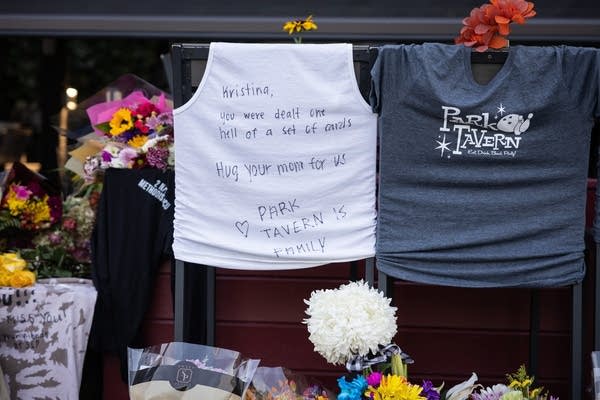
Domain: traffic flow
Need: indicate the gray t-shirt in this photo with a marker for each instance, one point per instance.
(484, 185)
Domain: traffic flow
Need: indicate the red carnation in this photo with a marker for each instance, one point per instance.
(145, 109)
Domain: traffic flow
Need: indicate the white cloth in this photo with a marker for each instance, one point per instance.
(275, 160)
(44, 332)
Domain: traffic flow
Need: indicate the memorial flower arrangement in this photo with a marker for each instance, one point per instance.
(28, 204)
(519, 386)
(50, 235)
(65, 249)
(138, 132)
(488, 26)
(14, 271)
(350, 321)
(354, 325)
(278, 383)
(296, 27)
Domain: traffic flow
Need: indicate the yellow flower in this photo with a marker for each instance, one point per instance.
(393, 387)
(39, 210)
(515, 385)
(300, 25)
(11, 262)
(308, 24)
(291, 26)
(138, 141)
(21, 279)
(121, 121)
(535, 393)
(15, 205)
(5, 277)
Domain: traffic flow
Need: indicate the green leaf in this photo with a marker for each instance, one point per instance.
(104, 127)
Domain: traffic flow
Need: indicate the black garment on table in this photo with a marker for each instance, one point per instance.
(133, 234)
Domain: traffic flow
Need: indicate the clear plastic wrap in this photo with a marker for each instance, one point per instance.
(180, 370)
(278, 383)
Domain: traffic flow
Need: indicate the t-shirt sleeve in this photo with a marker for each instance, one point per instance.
(581, 71)
(375, 93)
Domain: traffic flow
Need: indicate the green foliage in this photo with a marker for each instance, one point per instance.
(104, 127)
(52, 262)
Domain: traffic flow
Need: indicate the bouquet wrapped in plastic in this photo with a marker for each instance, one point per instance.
(278, 383)
(29, 203)
(179, 370)
(128, 124)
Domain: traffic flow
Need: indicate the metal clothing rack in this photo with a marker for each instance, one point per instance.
(188, 63)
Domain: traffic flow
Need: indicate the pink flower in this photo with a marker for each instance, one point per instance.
(21, 192)
(374, 379)
(69, 224)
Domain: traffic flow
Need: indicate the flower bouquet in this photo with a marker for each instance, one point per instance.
(29, 203)
(65, 249)
(520, 386)
(180, 370)
(278, 383)
(354, 325)
(136, 131)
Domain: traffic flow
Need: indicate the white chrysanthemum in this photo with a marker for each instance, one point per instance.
(351, 320)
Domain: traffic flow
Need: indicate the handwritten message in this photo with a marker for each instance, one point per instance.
(284, 150)
(293, 228)
(47, 324)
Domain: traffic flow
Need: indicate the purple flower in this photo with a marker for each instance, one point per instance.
(374, 379)
(429, 391)
(166, 118)
(55, 238)
(490, 393)
(106, 156)
(157, 157)
(127, 155)
(21, 192)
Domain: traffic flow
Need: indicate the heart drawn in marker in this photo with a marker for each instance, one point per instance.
(243, 227)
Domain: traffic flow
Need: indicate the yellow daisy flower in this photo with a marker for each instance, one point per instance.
(394, 387)
(137, 141)
(308, 24)
(300, 25)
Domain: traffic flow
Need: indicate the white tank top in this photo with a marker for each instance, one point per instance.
(275, 160)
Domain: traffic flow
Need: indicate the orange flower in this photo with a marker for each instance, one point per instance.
(487, 26)
(506, 11)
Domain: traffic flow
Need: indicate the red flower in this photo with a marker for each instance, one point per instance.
(139, 124)
(487, 26)
(69, 224)
(507, 11)
(145, 110)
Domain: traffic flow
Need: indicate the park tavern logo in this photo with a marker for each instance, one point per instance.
(481, 135)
